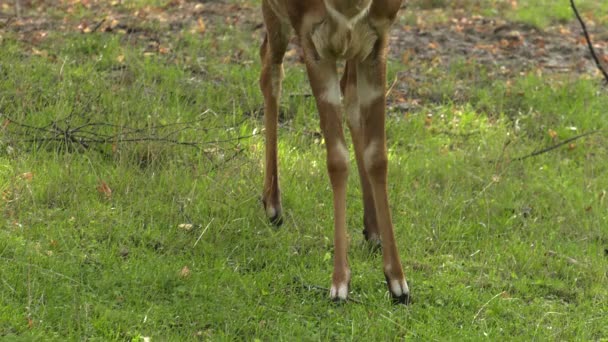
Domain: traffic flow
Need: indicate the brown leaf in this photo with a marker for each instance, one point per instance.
(28, 176)
(83, 27)
(428, 120)
(185, 272)
(104, 189)
(201, 27)
(552, 134)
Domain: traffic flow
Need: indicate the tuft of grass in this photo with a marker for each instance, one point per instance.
(543, 13)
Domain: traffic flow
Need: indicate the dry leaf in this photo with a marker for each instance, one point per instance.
(552, 134)
(28, 176)
(201, 27)
(185, 272)
(104, 189)
(83, 27)
(428, 120)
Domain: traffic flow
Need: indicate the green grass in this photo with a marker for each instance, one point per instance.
(492, 247)
(558, 12)
(538, 13)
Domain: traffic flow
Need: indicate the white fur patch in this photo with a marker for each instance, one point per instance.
(343, 151)
(342, 20)
(367, 92)
(271, 212)
(341, 291)
(332, 91)
(370, 152)
(276, 76)
(399, 287)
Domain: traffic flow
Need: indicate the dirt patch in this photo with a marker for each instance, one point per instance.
(504, 48)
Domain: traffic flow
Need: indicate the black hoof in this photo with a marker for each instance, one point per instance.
(276, 220)
(403, 299)
(366, 234)
(373, 242)
(339, 301)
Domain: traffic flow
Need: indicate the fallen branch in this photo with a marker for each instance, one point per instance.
(90, 133)
(553, 147)
(589, 44)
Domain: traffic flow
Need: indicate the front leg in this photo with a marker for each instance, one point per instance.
(326, 89)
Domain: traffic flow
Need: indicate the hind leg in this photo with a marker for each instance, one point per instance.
(353, 113)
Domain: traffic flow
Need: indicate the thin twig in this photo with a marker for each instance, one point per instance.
(96, 27)
(83, 135)
(553, 147)
(589, 44)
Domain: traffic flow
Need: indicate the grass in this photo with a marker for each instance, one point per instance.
(538, 13)
(492, 247)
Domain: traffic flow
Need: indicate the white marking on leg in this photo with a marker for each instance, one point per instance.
(342, 151)
(399, 287)
(271, 212)
(332, 91)
(340, 291)
(366, 91)
(276, 76)
(370, 152)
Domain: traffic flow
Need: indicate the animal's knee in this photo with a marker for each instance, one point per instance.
(375, 159)
(337, 159)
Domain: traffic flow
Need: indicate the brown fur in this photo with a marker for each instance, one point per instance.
(328, 30)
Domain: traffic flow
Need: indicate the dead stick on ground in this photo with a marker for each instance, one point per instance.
(589, 44)
(553, 147)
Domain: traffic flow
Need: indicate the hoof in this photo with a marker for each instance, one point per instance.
(274, 214)
(399, 290)
(276, 220)
(339, 293)
(373, 241)
(404, 299)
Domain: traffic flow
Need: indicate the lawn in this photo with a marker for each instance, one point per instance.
(131, 152)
